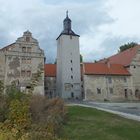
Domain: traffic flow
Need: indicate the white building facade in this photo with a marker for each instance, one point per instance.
(68, 63)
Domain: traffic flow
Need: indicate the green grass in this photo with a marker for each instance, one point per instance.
(91, 124)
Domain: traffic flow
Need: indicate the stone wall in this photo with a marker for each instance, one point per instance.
(103, 87)
(135, 72)
(2, 66)
(50, 87)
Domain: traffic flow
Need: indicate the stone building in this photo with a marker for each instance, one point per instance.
(68, 63)
(50, 80)
(104, 81)
(125, 82)
(22, 63)
(116, 78)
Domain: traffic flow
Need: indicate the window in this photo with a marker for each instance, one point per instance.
(98, 91)
(134, 67)
(10, 57)
(109, 80)
(23, 49)
(28, 73)
(67, 86)
(71, 69)
(130, 91)
(111, 90)
(71, 61)
(29, 49)
(136, 93)
(72, 95)
(27, 39)
(71, 77)
(29, 60)
(125, 93)
(23, 60)
(28, 87)
(125, 80)
(76, 86)
(23, 73)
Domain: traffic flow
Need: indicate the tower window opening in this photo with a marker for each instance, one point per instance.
(72, 95)
(71, 77)
(71, 61)
(71, 69)
(98, 91)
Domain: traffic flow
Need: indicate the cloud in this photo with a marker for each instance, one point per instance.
(99, 23)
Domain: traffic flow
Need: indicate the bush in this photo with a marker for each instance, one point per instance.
(30, 117)
(48, 112)
(3, 108)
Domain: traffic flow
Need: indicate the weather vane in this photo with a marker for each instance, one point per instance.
(67, 13)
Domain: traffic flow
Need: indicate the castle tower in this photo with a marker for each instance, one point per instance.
(68, 62)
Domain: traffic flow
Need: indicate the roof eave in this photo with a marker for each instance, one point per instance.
(107, 74)
(67, 34)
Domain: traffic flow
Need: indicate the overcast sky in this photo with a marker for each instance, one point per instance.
(103, 25)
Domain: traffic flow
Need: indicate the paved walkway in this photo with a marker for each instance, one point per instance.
(126, 110)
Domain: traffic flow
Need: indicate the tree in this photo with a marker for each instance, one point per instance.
(81, 58)
(127, 46)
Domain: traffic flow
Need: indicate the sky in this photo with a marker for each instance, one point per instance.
(103, 25)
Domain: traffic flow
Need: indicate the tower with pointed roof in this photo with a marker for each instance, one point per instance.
(68, 62)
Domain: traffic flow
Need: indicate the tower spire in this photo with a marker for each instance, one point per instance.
(67, 26)
(67, 12)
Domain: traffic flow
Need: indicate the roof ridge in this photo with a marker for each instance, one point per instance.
(123, 51)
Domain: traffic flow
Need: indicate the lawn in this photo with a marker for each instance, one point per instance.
(91, 124)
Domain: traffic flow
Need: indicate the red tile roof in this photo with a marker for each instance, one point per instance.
(124, 57)
(113, 65)
(92, 69)
(104, 69)
(50, 70)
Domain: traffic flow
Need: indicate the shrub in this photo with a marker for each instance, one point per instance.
(49, 112)
(30, 117)
(3, 108)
